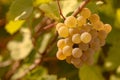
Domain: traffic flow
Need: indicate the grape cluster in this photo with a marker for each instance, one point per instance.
(81, 37)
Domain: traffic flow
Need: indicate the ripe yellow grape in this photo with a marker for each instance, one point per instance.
(107, 28)
(76, 38)
(77, 53)
(85, 37)
(61, 43)
(63, 32)
(94, 18)
(73, 31)
(71, 22)
(59, 25)
(86, 27)
(81, 21)
(98, 25)
(68, 41)
(67, 50)
(83, 46)
(60, 55)
(68, 59)
(85, 12)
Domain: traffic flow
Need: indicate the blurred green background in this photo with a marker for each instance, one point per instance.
(28, 45)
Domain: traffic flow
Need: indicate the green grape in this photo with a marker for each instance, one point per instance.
(83, 57)
(85, 37)
(83, 46)
(71, 22)
(68, 41)
(94, 18)
(107, 28)
(59, 25)
(63, 32)
(76, 38)
(77, 53)
(61, 43)
(85, 12)
(60, 55)
(77, 62)
(67, 50)
(98, 25)
(81, 21)
(73, 31)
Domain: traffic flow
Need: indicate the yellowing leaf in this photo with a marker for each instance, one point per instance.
(37, 2)
(14, 26)
(118, 14)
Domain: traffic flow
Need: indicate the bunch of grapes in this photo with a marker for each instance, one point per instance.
(81, 37)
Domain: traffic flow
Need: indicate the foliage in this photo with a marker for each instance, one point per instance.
(28, 41)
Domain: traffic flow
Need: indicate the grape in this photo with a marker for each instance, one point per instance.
(73, 31)
(107, 28)
(94, 33)
(59, 25)
(83, 46)
(61, 43)
(95, 44)
(85, 12)
(71, 21)
(77, 53)
(78, 65)
(86, 27)
(67, 50)
(81, 20)
(60, 55)
(77, 62)
(76, 38)
(68, 59)
(98, 25)
(63, 32)
(68, 41)
(85, 37)
(90, 60)
(83, 57)
(102, 35)
(102, 42)
(94, 18)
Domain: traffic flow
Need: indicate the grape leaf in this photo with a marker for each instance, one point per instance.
(18, 7)
(51, 10)
(90, 73)
(14, 26)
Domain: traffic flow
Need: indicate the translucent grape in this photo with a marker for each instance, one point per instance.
(94, 18)
(77, 52)
(85, 12)
(76, 38)
(71, 21)
(68, 41)
(102, 35)
(59, 25)
(85, 37)
(86, 27)
(73, 31)
(63, 32)
(98, 25)
(107, 28)
(81, 20)
(67, 50)
(60, 55)
(61, 43)
(68, 59)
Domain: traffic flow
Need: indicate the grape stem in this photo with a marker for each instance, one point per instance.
(60, 11)
(82, 5)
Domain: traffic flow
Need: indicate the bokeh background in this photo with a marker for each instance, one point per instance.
(28, 41)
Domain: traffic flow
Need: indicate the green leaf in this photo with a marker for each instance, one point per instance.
(18, 7)
(14, 26)
(38, 2)
(51, 10)
(90, 73)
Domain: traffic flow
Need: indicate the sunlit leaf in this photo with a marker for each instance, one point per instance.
(14, 26)
(37, 2)
(18, 7)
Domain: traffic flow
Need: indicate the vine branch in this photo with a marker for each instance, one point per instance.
(60, 11)
(82, 5)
